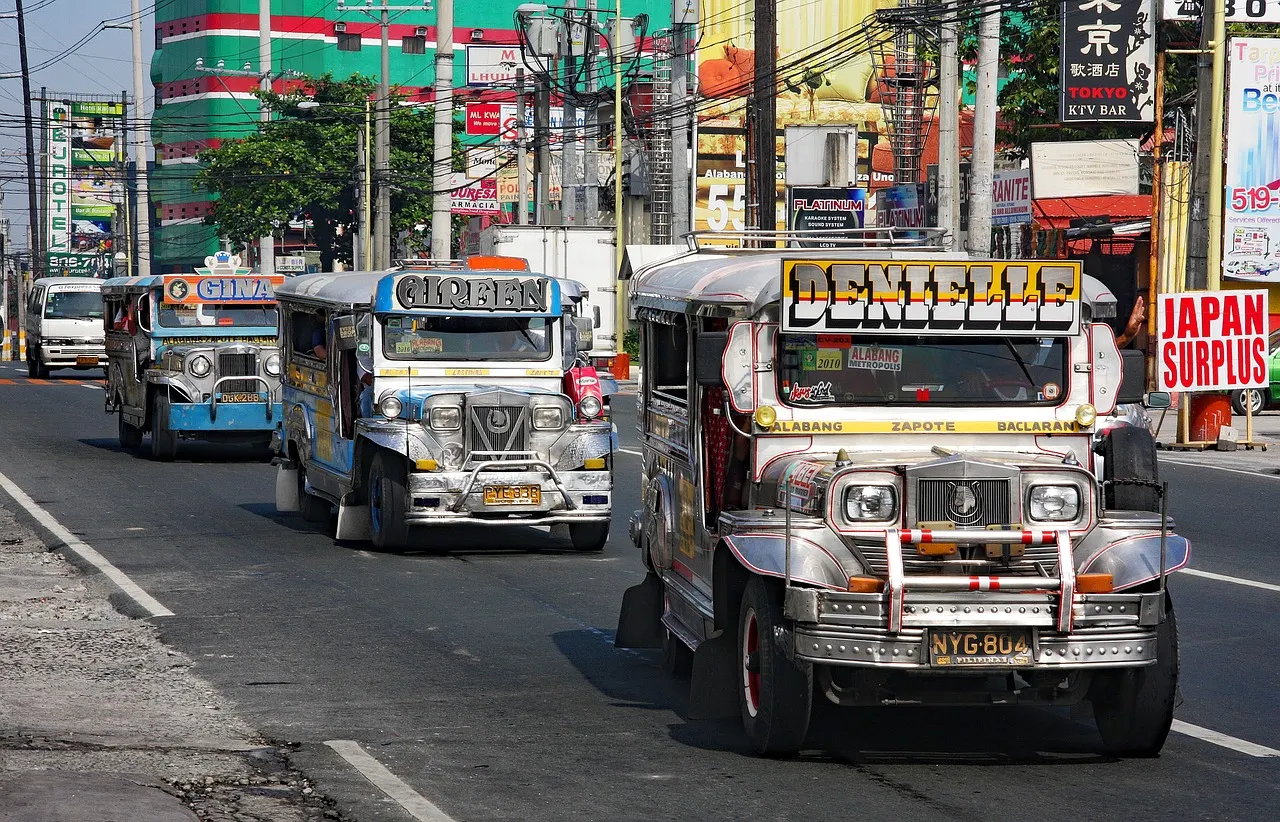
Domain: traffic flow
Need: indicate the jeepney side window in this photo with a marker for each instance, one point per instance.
(667, 358)
(305, 327)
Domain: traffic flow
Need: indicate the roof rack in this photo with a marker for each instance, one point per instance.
(925, 239)
(427, 262)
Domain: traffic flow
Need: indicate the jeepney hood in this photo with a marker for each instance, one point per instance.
(414, 396)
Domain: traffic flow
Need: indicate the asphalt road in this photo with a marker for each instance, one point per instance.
(480, 668)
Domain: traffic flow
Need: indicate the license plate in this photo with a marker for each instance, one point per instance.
(241, 397)
(1007, 647)
(86, 359)
(512, 495)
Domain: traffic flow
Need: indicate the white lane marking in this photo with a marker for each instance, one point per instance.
(1219, 468)
(630, 451)
(1215, 738)
(91, 387)
(1252, 583)
(82, 549)
(418, 806)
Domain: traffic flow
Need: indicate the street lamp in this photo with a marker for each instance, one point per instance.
(366, 196)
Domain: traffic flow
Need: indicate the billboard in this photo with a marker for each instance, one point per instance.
(1212, 341)
(57, 198)
(1251, 212)
(1084, 168)
(493, 65)
(1107, 68)
(825, 209)
(840, 95)
(84, 186)
(1238, 11)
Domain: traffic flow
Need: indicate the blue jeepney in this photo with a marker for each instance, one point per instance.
(193, 356)
(442, 397)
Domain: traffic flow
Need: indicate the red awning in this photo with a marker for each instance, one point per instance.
(1058, 212)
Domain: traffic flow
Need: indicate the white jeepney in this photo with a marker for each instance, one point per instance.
(894, 475)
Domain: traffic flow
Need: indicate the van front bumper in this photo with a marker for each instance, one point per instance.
(469, 497)
(230, 417)
(69, 356)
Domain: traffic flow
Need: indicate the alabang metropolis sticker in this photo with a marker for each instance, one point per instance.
(915, 297)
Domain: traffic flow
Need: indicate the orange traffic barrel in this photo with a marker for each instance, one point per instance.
(1209, 412)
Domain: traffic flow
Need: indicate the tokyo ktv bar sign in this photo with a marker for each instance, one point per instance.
(1108, 62)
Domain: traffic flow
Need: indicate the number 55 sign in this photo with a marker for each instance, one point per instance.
(1238, 11)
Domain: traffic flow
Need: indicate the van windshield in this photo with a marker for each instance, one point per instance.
(466, 338)
(842, 369)
(73, 305)
(204, 315)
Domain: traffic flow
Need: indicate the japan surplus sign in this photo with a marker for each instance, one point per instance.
(1108, 59)
(1251, 226)
(1212, 341)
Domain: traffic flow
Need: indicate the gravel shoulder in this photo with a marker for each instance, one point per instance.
(93, 699)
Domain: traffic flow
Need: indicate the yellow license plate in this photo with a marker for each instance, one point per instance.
(1006, 647)
(241, 397)
(86, 359)
(512, 495)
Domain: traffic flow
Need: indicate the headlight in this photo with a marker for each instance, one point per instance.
(390, 406)
(550, 417)
(446, 418)
(199, 366)
(871, 503)
(589, 407)
(272, 365)
(1054, 503)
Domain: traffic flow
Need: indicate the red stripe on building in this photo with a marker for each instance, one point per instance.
(290, 24)
(186, 211)
(210, 83)
(186, 148)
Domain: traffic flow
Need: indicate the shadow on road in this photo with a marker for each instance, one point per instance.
(198, 452)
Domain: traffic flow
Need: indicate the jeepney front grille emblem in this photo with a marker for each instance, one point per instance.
(967, 503)
(496, 428)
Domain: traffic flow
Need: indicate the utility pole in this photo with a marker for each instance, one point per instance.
(1197, 274)
(141, 196)
(33, 212)
(569, 113)
(984, 134)
(1214, 257)
(522, 147)
(765, 146)
(590, 146)
(267, 242)
(948, 130)
(681, 92)
(542, 141)
(441, 229)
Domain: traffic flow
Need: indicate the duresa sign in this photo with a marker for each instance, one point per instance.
(1212, 341)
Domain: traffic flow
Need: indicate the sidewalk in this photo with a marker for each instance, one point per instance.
(100, 722)
(1266, 430)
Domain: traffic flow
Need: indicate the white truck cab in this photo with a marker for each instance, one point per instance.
(64, 325)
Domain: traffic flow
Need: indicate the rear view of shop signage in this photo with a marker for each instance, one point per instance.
(1108, 62)
(1212, 341)
(910, 297)
(1251, 229)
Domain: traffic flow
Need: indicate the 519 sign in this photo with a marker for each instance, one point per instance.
(1238, 11)
(1257, 198)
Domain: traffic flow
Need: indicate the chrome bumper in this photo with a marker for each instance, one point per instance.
(458, 496)
(64, 356)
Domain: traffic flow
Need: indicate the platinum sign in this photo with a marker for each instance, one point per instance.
(57, 203)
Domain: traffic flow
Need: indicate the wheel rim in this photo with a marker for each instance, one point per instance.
(1255, 400)
(750, 678)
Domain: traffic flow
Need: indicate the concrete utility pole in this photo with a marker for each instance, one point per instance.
(1214, 257)
(569, 123)
(33, 211)
(948, 130)
(267, 242)
(522, 149)
(441, 216)
(590, 146)
(542, 141)
(984, 134)
(764, 94)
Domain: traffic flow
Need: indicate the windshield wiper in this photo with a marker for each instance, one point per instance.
(1018, 359)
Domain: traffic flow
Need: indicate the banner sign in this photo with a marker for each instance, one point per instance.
(1238, 11)
(410, 292)
(1011, 197)
(1108, 62)
(97, 108)
(916, 296)
(187, 289)
(1084, 168)
(900, 206)
(1251, 223)
(931, 194)
(474, 197)
(825, 209)
(77, 265)
(492, 65)
(1212, 341)
(484, 119)
(57, 195)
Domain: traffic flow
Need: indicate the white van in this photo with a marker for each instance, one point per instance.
(64, 325)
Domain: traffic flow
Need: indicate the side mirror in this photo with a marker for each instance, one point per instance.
(1133, 379)
(595, 310)
(585, 330)
(709, 348)
(1158, 399)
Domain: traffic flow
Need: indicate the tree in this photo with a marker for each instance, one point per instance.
(305, 163)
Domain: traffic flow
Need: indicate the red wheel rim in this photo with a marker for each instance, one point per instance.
(751, 679)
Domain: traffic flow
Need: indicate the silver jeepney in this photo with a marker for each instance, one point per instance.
(915, 497)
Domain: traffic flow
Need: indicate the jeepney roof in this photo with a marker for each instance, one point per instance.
(67, 281)
(355, 289)
(124, 285)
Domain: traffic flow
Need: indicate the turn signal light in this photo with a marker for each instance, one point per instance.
(425, 465)
(1094, 583)
(593, 464)
(766, 416)
(865, 585)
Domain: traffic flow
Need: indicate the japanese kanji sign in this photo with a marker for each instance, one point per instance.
(1108, 59)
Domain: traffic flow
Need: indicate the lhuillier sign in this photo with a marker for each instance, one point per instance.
(1212, 341)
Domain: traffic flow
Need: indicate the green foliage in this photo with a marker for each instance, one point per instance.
(307, 162)
(1030, 53)
(631, 343)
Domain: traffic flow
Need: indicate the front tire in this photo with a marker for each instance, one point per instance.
(388, 494)
(1133, 709)
(130, 435)
(164, 440)
(775, 694)
(1129, 456)
(589, 536)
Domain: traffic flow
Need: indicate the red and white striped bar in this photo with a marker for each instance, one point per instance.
(1030, 536)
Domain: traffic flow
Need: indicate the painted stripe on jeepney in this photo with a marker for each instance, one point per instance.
(980, 583)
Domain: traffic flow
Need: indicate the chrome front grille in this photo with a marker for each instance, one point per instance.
(497, 429)
(968, 503)
(238, 365)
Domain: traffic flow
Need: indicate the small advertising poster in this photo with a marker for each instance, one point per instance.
(1212, 341)
(825, 209)
(1251, 213)
(1011, 197)
(1107, 62)
(474, 197)
(900, 206)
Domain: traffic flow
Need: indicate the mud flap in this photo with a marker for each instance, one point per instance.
(713, 691)
(640, 623)
(353, 523)
(287, 490)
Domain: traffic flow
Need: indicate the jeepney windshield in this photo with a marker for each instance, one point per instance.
(466, 338)
(206, 315)
(817, 370)
(73, 305)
